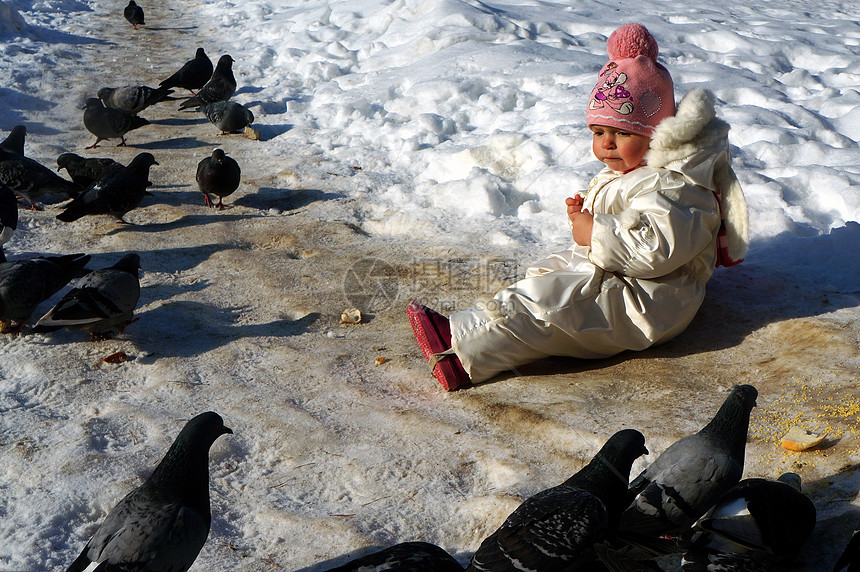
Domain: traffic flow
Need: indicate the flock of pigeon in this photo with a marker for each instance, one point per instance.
(690, 503)
(106, 299)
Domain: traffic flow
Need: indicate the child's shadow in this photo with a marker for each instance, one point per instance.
(783, 278)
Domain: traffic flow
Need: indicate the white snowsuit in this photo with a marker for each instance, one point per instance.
(642, 280)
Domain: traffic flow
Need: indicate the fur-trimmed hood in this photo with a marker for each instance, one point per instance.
(694, 143)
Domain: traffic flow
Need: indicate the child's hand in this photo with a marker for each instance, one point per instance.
(574, 204)
(582, 223)
(581, 220)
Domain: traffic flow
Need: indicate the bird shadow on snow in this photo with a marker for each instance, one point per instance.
(270, 131)
(196, 328)
(180, 121)
(267, 198)
(53, 36)
(783, 278)
(12, 101)
(171, 28)
(184, 221)
(175, 143)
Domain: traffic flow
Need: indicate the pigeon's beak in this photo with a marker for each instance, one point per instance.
(227, 430)
(645, 451)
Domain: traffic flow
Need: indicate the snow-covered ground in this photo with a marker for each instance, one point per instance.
(413, 150)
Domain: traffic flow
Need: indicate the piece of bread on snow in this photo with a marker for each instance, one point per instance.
(798, 439)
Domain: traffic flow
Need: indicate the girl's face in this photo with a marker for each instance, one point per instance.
(619, 150)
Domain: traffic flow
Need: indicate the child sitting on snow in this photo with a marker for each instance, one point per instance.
(647, 234)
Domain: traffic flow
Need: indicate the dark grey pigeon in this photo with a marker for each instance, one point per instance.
(8, 217)
(163, 524)
(24, 284)
(219, 175)
(688, 477)
(30, 179)
(103, 299)
(14, 142)
(134, 14)
(133, 98)
(220, 87)
(850, 558)
(404, 557)
(558, 528)
(115, 194)
(193, 74)
(109, 123)
(228, 116)
(762, 521)
(86, 170)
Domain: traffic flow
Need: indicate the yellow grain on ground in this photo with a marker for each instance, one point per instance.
(813, 405)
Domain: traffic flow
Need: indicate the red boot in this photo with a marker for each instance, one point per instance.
(433, 333)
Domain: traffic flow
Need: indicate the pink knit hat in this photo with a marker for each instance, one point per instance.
(633, 92)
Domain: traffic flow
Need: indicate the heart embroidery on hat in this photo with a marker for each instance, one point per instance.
(650, 103)
(621, 92)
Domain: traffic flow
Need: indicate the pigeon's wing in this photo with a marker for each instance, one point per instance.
(681, 492)
(25, 284)
(103, 295)
(553, 530)
(140, 530)
(760, 515)
(731, 527)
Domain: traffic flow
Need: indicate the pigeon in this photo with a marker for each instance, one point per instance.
(228, 116)
(133, 98)
(116, 193)
(24, 284)
(766, 520)
(851, 556)
(192, 75)
(8, 217)
(14, 142)
(220, 87)
(30, 179)
(163, 524)
(86, 171)
(404, 557)
(557, 528)
(219, 175)
(134, 14)
(688, 477)
(102, 300)
(109, 123)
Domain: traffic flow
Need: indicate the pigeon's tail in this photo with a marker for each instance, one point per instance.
(74, 211)
(2, 255)
(69, 188)
(160, 94)
(73, 265)
(44, 329)
(81, 562)
(170, 82)
(137, 122)
(191, 102)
